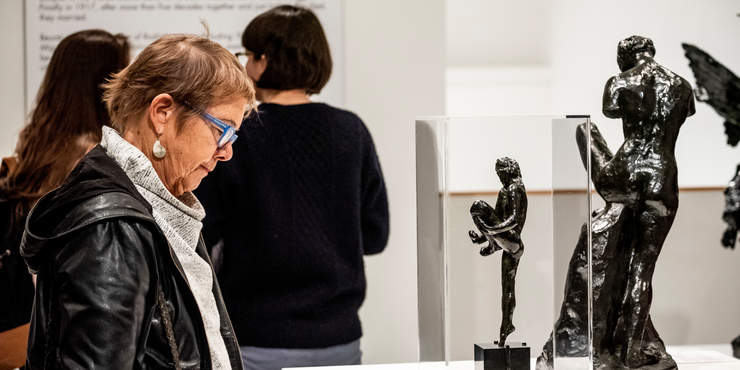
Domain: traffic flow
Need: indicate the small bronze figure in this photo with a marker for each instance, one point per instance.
(502, 227)
(639, 184)
(731, 214)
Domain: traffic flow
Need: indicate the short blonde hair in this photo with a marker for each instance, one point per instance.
(194, 70)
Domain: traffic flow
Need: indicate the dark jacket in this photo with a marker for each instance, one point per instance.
(297, 208)
(102, 261)
(16, 286)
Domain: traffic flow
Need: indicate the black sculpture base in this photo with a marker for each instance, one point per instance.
(736, 347)
(490, 356)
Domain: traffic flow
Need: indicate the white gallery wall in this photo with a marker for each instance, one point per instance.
(11, 74)
(498, 55)
(395, 71)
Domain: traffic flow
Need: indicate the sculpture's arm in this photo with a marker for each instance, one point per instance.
(610, 100)
(600, 153)
(508, 224)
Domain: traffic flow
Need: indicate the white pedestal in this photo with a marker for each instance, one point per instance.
(698, 357)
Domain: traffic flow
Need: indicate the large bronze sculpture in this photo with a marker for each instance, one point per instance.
(502, 227)
(639, 185)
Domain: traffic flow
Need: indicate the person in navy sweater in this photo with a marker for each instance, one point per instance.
(291, 216)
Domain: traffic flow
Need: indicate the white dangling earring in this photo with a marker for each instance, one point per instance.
(158, 150)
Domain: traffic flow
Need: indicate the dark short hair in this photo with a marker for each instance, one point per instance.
(633, 45)
(298, 55)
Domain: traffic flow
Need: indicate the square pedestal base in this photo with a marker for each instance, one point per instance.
(512, 356)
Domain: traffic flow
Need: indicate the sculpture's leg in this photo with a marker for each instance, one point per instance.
(480, 224)
(729, 237)
(653, 225)
(481, 208)
(653, 346)
(509, 265)
(736, 347)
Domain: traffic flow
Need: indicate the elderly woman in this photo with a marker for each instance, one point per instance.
(123, 277)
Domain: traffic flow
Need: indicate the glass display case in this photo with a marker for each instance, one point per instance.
(461, 298)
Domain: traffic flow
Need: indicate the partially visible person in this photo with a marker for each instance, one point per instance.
(65, 124)
(297, 208)
(124, 281)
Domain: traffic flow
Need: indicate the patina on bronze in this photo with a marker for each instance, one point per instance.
(502, 228)
(717, 86)
(639, 185)
(731, 215)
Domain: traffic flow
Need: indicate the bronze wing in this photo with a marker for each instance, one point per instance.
(717, 86)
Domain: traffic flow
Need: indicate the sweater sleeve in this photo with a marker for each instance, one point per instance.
(102, 279)
(374, 208)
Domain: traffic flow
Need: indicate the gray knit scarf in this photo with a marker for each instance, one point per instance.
(180, 220)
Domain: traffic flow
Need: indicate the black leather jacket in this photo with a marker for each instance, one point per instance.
(101, 262)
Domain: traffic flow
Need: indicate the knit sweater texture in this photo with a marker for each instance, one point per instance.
(180, 221)
(296, 209)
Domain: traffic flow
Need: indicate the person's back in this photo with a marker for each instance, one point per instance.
(650, 95)
(653, 103)
(300, 203)
(297, 207)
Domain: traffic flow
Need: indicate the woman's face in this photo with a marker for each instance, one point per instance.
(193, 152)
(255, 67)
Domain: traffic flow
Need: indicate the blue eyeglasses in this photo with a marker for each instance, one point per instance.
(228, 132)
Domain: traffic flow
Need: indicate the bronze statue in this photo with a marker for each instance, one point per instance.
(502, 227)
(731, 215)
(639, 185)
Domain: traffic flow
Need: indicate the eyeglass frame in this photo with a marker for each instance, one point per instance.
(228, 132)
(245, 54)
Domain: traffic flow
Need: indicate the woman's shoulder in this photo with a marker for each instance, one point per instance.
(96, 191)
(100, 221)
(340, 113)
(268, 110)
(314, 114)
